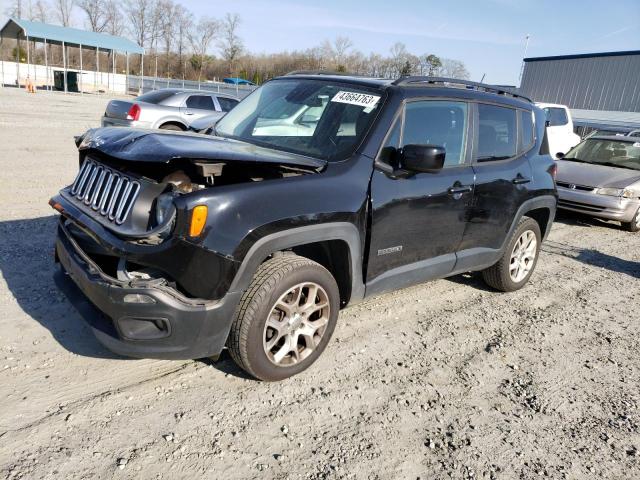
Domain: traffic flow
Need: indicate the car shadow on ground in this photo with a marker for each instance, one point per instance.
(28, 268)
(580, 220)
(587, 256)
(43, 291)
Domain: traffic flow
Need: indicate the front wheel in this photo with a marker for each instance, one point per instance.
(519, 259)
(285, 318)
(633, 225)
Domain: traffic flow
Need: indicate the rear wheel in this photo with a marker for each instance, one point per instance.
(172, 126)
(285, 318)
(519, 260)
(633, 225)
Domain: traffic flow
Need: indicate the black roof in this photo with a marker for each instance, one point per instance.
(410, 82)
(584, 55)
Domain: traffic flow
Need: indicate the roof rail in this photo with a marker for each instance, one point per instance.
(481, 87)
(320, 72)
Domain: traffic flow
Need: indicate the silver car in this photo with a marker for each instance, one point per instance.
(169, 109)
(601, 177)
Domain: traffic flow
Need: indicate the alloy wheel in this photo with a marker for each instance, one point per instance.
(523, 256)
(296, 324)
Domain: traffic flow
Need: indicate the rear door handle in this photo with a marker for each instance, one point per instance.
(520, 180)
(460, 189)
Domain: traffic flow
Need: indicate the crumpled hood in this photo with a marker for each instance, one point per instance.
(592, 175)
(162, 147)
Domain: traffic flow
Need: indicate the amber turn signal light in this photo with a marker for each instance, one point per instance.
(198, 220)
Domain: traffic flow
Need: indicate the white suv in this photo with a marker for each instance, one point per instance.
(559, 129)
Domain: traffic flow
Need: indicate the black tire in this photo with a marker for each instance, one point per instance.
(498, 276)
(274, 279)
(633, 225)
(172, 126)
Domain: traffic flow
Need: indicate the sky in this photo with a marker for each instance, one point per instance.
(487, 35)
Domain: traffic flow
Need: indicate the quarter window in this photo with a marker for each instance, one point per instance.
(526, 130)
(440, 123)
(497, 134)
(200, 102)
(226, 104)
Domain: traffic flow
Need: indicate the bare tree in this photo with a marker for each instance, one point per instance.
(340, 47)
(183, 21)
(15, 9)
(398, 58)
(140, 13)
(454, 69)
(200, 39)
(230, 44)
(41, 11)
(96, 14)
(166, 15)
(64, 10)
(114, 18)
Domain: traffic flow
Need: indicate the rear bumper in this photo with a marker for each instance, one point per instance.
(167, 325)
(119, 122)
(601, 206)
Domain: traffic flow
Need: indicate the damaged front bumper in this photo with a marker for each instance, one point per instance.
(143, 318)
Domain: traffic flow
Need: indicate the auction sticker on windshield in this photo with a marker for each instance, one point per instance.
(352, 98)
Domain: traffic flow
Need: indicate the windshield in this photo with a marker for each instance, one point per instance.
(607, 152)
(317, 118)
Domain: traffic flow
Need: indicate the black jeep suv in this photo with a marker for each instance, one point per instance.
(315, 192)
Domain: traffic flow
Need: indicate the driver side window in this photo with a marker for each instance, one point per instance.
(439, 123)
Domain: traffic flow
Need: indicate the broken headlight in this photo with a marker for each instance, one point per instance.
(165, 208)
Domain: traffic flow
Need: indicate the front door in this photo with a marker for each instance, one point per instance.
(418, 222)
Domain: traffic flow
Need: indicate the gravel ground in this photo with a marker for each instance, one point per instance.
(443, 380)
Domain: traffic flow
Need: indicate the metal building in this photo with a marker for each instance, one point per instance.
(594, 81)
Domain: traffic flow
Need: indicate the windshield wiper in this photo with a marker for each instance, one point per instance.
(616, 165)
(493, 158)
(574, 159)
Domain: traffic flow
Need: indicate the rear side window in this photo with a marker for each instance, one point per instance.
(200, 102)
(497, 133)
(157, 96)
(226, 104)
(440, 123)
(556, 116)
(526, 130)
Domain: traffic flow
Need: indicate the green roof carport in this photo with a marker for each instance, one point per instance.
(21, 29)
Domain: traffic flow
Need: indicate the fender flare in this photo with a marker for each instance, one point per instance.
(543, 201)
(294, 237)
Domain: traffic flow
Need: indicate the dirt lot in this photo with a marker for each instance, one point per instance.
(442, 380)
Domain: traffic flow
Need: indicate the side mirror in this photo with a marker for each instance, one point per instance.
(559, 155)
(422, 158)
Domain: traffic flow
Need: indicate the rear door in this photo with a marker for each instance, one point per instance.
(197, 106)
(502, 145)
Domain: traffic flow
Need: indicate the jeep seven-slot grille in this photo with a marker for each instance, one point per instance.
(106, 191)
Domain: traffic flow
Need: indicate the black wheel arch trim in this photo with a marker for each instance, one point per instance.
(298, 236)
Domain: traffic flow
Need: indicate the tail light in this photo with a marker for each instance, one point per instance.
(553, 170)
(134, 112)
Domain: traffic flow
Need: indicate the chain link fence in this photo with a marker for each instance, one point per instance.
(147, 84)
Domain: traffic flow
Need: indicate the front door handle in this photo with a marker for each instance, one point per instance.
(520, 180)
(460, 189)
